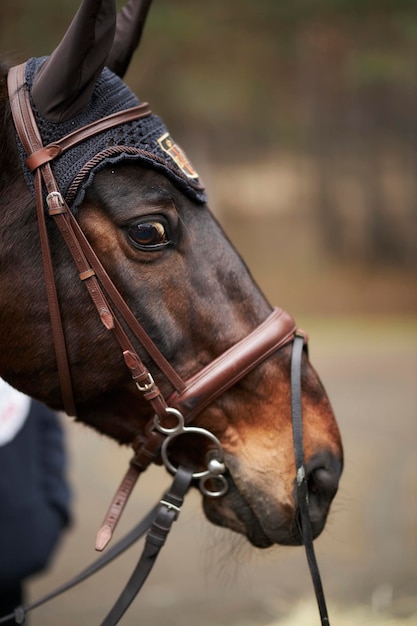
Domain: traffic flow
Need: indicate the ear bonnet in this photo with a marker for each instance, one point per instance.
(60, 109)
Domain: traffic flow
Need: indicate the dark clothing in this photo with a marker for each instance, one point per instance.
(10, 598)
(34, 501)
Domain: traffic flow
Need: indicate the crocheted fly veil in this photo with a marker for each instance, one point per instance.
(72, 88)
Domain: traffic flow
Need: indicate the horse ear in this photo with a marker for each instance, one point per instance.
(64, 84)
(130, 22)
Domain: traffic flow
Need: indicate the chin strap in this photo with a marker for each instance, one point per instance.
(302, 487)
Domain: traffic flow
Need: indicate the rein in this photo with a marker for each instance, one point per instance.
(189, 397)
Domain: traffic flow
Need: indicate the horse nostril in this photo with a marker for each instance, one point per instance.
(323, 472)
(322, 482)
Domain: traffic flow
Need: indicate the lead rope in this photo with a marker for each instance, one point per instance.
(302, 487)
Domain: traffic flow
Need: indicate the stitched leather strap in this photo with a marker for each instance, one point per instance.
(29, 135)
(275, 332)
(51, 151)
(120, 304)
(82, 253)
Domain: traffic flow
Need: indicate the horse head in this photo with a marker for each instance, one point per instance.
(142, 208)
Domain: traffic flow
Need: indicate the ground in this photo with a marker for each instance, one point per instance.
(207, 576)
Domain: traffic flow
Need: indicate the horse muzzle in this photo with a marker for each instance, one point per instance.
(263, 515)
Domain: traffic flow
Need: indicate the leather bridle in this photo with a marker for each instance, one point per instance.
(189, 397)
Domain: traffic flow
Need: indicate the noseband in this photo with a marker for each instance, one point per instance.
(173, 416)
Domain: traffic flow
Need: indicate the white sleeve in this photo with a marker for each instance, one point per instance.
(14, 409)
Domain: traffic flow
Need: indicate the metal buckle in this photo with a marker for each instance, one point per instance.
(146, 386)
(54, 194)
(171, 507)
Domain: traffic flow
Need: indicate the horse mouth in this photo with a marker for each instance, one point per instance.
(233, 511)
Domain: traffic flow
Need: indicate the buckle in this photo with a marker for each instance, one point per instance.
(148, 385)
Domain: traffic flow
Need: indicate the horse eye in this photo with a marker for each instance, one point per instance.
(150, 234)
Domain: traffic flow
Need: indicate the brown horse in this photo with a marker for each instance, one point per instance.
(143, 210)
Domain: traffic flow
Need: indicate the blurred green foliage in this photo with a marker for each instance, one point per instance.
(227, 60)
(239, 79)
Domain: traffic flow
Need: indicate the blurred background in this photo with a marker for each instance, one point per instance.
(300, 117)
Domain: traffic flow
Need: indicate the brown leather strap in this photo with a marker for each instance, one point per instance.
(51, 151)
(81, 250)
(116, 507)
(114, 295)
(29, 135)
(222, 373)
(200, 390)
(77, 243)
